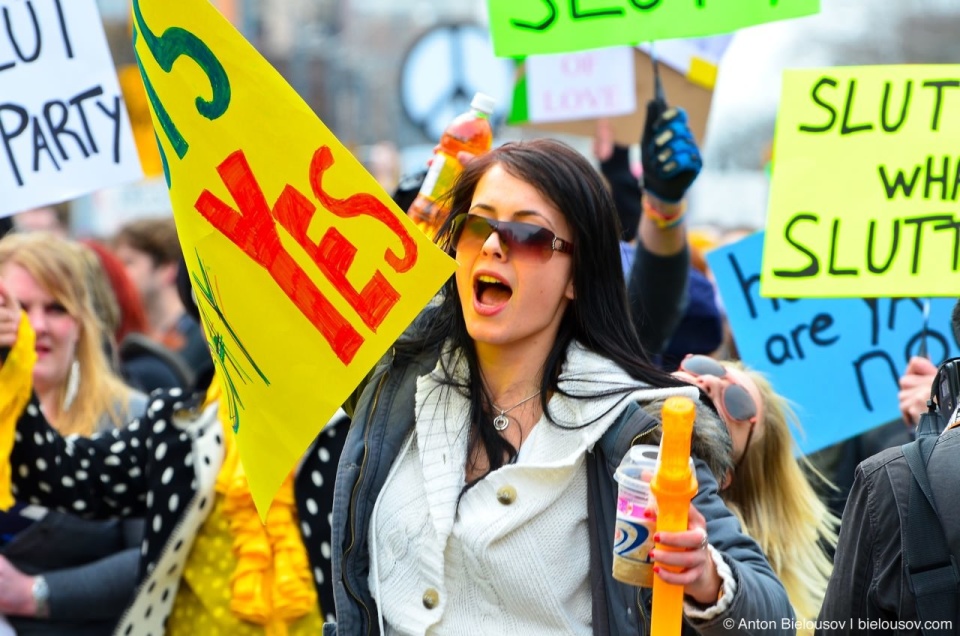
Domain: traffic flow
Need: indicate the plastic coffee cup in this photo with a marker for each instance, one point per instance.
(633, 539)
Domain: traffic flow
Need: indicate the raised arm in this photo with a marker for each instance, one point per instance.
(657, 283)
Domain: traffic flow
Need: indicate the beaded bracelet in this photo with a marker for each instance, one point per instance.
(661, 220)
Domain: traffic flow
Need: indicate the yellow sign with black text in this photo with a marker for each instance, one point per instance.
(864, 194)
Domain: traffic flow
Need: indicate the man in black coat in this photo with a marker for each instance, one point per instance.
(870, 590)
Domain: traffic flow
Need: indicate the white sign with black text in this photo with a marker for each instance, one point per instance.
(64, 130)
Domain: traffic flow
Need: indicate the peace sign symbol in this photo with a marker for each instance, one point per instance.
(444, 68)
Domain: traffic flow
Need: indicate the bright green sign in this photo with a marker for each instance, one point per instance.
(528, 27)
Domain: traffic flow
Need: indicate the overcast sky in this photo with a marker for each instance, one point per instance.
(748, 85)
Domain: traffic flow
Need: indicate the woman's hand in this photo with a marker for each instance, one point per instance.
(9, 318)
(685, 560)
(16, 591)
(603, 140)
(915, 389)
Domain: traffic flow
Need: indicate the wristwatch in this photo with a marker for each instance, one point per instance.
(41, 595)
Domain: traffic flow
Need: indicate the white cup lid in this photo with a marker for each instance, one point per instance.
(638, 460)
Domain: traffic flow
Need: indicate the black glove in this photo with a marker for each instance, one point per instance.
(670, 156)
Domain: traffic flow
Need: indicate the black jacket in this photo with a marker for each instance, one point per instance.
(868, 582)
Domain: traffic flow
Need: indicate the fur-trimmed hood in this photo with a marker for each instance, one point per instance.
(606, 386)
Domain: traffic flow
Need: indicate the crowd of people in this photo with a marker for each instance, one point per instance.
(478, 495)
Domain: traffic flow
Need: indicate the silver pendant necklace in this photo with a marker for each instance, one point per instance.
(501, 422)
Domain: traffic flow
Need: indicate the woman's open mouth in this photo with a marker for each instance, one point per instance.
(490, 293)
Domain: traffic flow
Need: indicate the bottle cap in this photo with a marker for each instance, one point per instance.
(483, 103)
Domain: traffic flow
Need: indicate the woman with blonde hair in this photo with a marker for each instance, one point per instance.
(78, 391)
(208, 564)
(62, 574)
(768, 488)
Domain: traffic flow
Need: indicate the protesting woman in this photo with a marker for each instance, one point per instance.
(473, 492)
(60, 573)
(208, 564)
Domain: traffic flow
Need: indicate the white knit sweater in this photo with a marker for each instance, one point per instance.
(494, 568)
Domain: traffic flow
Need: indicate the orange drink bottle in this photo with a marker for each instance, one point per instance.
(674, 486)
(469, 132)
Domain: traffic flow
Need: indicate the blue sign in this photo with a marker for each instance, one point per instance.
(837, 360)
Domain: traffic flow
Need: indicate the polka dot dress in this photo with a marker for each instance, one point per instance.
(102, 476)
(205, 593)
(163, 467)
(203, 600)
(314, 492)
(147, 469)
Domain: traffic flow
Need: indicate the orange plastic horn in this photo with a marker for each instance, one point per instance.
(674, 485)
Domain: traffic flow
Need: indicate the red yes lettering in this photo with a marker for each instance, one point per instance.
(363, 203)
(253, 229)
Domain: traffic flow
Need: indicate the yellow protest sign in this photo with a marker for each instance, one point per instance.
(863, 199)
(304, 270)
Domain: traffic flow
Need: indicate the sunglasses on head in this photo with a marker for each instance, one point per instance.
(524, 240)
(735, 400)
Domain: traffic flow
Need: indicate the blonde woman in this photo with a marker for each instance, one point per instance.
(768, 489)
(209, 565)
(78, 391)
(82, 573)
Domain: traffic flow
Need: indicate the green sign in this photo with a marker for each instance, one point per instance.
(529, 27)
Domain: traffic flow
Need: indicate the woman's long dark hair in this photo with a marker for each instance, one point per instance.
(598, 317)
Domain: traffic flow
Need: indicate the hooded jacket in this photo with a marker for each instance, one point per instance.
(384, 417)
